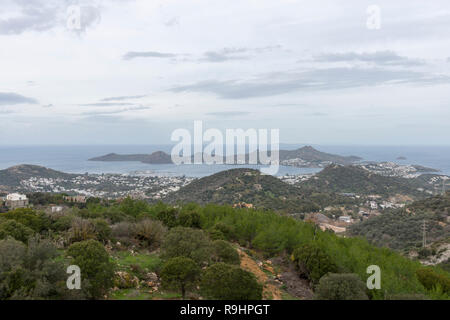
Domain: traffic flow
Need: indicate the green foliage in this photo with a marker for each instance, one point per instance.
(29, 218)
(433, 280)
(11, 228)
(226, 282)
(102, 229)
(149, 233)
(224, 252)
(168, 216)
(180, 273)
(32, 272)
(95, 265)
(337, 286)
(313, 262)
(187, 242)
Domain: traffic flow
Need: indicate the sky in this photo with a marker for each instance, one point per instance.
(340, 72)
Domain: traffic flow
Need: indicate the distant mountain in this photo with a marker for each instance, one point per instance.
(244, 185)
(11, 177)
(310, 154)
(353, 179)
(158, 157)
(302, 157)
(403, 228)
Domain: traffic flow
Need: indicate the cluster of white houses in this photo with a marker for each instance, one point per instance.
(15, 201)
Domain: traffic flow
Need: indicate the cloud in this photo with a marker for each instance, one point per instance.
(312, 80)
(228, 114)
(9, 98)
(106, 104)
(227, 54)
(382, 58)
(123, 98)
(43, 15)
(119, 111)
(175, 21)
(147, 54)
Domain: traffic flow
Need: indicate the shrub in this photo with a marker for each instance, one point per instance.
(122, 231)
(337, 286)
(431, 280)
(226, 282)
(102, 229)
(95, 265)
(149, 232)
(168, 216)
(81, 230)
(224, 252)
(180, 273)
(189, 219)
(12, 228)
(313, 262)
(187, 242)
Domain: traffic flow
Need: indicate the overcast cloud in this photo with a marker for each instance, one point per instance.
(135, 70)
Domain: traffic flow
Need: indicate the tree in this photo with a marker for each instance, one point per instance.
(180, 273)
(313, 262)
(187, 242)
(343, 286)
(95, 265)
(16, 230)
(224, 252)
(226, 282)
(149, 232)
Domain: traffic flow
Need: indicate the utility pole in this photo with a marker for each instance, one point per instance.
(424, 229)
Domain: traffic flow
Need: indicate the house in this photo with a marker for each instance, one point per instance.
(56, 209)
(346, 219)
(16, 200)
(76, 199)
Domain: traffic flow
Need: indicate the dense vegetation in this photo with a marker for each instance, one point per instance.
(250, 186)
(403, 228)
(191, 248)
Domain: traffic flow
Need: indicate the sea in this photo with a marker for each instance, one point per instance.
(74, 159)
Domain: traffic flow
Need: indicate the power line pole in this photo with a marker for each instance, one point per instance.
(424, 238)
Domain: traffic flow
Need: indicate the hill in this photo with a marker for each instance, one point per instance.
(158, 157)
(403, 228)
(12, 176)
(250, 186)
(353, 179)
(312, 155)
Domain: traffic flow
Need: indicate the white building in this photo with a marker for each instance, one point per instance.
(16, 200)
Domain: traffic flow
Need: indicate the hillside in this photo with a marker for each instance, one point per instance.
(244, 185)
(310, 154)
(353, 179)
(158, 157)
(12, 176)
(403, 228)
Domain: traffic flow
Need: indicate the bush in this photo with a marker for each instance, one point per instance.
(95, 265)
(224, 252)
(189, 219)
(81, 230)
(168, 216)
(123, 232)
(180, 273)
(149, 232)
(12, 228)
(226, 282)
(187, 242)
(431, 280)
(102, 229)
(337, 286)
(313, 262)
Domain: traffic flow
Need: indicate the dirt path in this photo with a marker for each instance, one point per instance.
(270, 291)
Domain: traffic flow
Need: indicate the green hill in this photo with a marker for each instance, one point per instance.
(353, 179)
(402, 229)
(11, 177)
(244, 185)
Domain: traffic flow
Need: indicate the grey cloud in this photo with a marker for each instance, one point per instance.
(113, 112)
(123, 98)
(384, 58)
(318, 79)
(227, 54)
(9, 98)
(43, 15)
(147, 54)
(106, 104)
(228, 114)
